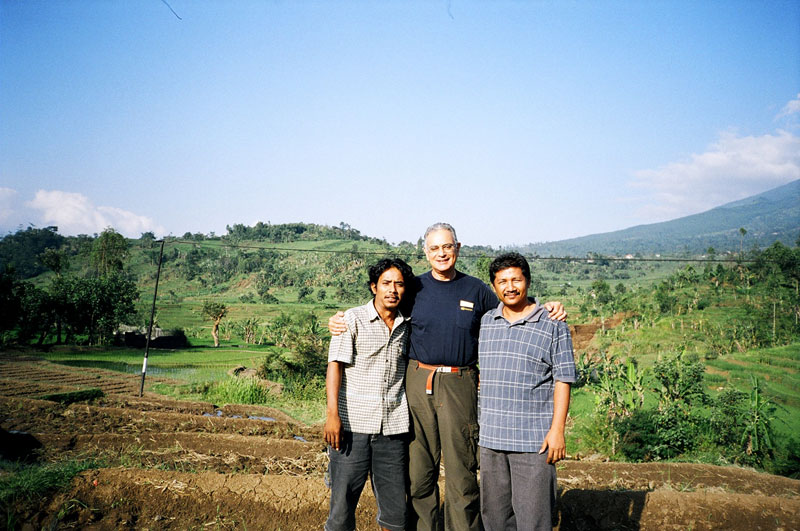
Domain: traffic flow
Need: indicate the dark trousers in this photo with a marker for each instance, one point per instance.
(381, 457)
(444, 425)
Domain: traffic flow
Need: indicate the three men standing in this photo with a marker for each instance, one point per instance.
(445, 310)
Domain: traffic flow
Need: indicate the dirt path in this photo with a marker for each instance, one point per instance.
(192, 465)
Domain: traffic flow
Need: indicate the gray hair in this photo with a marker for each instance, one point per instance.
(439, 226)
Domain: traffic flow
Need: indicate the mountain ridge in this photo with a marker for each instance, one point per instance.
(773, 215)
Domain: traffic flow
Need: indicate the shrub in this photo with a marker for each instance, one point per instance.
(269, 298)
(727, 418)
(237, 391)
(787, 460)
(307, 339)
(638, 436)
(679, 428)
(681, 379)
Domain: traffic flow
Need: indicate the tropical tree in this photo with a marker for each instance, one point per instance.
(109, 252)
(22, 249)
(742, 232)
(93, 306)
(36, 313)
(757, 433)
(10, 302)
(215, 311)
(55, 260)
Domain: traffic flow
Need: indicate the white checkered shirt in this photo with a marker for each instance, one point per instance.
(372, 397)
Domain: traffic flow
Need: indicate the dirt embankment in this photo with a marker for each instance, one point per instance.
(189, 465)
(582, 334)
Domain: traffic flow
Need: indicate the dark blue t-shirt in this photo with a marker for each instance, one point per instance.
(446, 318)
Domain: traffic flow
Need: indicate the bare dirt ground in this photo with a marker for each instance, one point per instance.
(189, 465)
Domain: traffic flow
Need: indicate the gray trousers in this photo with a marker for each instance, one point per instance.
(518, 490)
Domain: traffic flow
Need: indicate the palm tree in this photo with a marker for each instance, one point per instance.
(742, 232)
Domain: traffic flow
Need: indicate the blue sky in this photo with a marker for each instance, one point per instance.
(516, 122)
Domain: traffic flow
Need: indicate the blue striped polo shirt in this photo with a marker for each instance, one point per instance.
(520, 363)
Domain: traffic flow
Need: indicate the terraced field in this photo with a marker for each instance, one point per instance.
(190, 465)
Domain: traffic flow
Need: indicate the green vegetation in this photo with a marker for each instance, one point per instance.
(30, 483)
(192, 366)
(678, 347)
(668, 412)
(91, 304)
(203, 371)
(692, 370)
(21, 251)
(300, 398)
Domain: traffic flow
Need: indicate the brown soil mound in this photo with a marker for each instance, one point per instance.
(582, 334)
(193, 465)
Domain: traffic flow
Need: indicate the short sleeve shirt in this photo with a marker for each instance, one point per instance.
(520, 363)
(372, 397)
(445, 319)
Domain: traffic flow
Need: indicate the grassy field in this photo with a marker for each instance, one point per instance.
(201, 374)
(778, 369)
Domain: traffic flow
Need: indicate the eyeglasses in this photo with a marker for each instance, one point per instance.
(447, 247)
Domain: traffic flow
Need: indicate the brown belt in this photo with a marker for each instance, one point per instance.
(433, 370)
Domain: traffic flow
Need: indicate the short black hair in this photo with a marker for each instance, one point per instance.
(376, 270)
(506, 260)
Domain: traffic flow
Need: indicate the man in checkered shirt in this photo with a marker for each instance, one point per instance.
(527, 367)
(367, 413)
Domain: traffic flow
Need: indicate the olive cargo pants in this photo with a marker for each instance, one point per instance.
(444, 424)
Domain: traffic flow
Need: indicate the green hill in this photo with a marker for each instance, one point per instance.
(768, 217)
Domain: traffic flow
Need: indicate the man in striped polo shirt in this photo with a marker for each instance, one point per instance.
(527, 367)
(367, 412)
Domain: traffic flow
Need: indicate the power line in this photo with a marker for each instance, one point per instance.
(589, 260)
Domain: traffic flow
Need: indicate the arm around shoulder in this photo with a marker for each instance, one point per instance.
(556, 310)
(336, 324)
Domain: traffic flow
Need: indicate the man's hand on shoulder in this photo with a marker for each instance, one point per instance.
(556, 310)
(336, 324)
